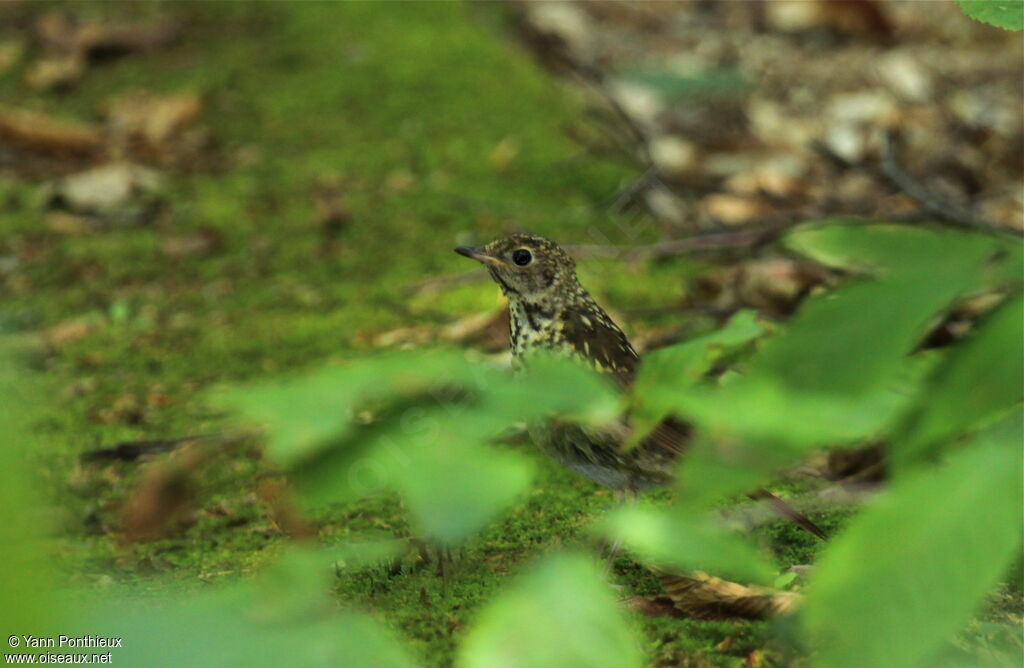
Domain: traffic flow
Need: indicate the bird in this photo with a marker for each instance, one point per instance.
(550, 310)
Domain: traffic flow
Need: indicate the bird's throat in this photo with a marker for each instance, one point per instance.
(534, 326)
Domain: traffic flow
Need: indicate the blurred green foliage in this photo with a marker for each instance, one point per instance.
(842, 373)
(419, 422)
(896, 584)
(892, 588)
(1000, 13)
(559, 614)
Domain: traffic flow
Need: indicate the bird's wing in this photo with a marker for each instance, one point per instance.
(595, 338)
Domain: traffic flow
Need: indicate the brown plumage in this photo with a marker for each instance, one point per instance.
(550, 310)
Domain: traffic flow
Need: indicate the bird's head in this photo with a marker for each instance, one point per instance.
(529, 268)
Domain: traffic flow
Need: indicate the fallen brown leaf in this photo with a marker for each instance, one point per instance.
(56, 72)
(734, 210)
(35, 132)
(95, 38)
(149, 119)
(701, 596)
(70, 331)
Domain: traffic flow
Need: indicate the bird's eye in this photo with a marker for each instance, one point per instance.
(522, 257)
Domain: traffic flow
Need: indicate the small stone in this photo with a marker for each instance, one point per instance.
(673, 155)
(641, 103)
(847, 141)
(732, 209)
(105, 189)
(862, 107)
(792, 15)
(665, 206)
(906, 77)
(562, 19)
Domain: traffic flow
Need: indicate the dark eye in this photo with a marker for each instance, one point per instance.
(522, 257)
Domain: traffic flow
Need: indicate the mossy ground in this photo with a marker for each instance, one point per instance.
(406, 104)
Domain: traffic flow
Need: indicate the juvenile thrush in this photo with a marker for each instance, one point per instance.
(550, 310)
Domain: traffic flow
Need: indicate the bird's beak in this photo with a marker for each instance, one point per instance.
(479, 255)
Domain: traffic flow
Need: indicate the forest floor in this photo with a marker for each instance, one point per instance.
(297, 176)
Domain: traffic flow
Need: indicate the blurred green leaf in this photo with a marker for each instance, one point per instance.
(674, 86)
(676, 537)
(455, 488)
(761, 408)
(881, 248)
(753, 427)
(980, 377)
(283, 617)
(418, 422)
(1008, 15)
(304, 414)
(560, 614)
(849, 340)
(909, 571)
(686, 363)
(552, 384)
(784, 580)
(28, 603)
(840, 372)
(667, 370)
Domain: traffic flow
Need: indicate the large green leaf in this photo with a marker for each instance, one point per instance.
(560, 614)
(752, 427)
(881, 248)
(841, 371)
(283, 617)
(1006, 14)
(455, 488)
(981, 377)
(305, 414)
(910, 571)
(676, 537)
(848, 340)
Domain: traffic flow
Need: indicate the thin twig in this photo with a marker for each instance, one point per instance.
(439, 283)
(714, 241)
(948, 212)
(893, 174)
(595, 77)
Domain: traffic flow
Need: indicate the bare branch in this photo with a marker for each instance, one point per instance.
(893, 174)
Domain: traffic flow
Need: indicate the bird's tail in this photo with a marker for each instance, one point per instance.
(788, 512)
